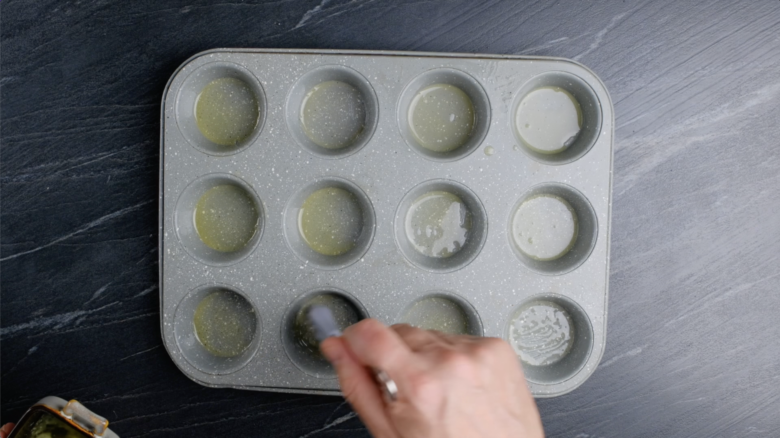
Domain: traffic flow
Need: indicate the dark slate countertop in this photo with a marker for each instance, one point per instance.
(693, 345)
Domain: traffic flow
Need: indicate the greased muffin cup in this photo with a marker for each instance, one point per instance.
(469, 194)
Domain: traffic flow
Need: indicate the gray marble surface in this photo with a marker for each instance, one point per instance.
(692, 345)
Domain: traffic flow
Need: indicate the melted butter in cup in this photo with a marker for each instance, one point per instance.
(441, 117)
(548, 120)
(544, 227)
(541, 333)
(440, 314)
(331, 221)
(333, 114)
(226, 111)
(225, 323)
(438, 224)
(226, 218)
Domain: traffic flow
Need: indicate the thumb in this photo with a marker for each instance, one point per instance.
(6, 430)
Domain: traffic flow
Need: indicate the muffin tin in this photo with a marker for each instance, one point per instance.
(488, 285)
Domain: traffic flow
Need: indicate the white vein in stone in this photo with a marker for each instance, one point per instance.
(99, 221)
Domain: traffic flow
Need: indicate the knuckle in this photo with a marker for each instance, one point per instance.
(403, 330)
(368, 325)
(490, 350)
(425, 387)
(458, 363)
(400, 326)
(369, 330)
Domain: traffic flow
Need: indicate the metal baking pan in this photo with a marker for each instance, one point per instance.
(465, 193)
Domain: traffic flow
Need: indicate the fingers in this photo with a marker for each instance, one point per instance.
(417, 339)
(462, 339)
(6, 429)
(359, 387)
(378, 346)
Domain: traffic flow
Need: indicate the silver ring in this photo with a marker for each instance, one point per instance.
(388, 386)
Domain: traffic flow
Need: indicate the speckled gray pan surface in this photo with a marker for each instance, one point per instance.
(382, 276)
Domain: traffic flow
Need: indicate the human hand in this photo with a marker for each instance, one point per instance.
(6, 430)
(448, 386)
